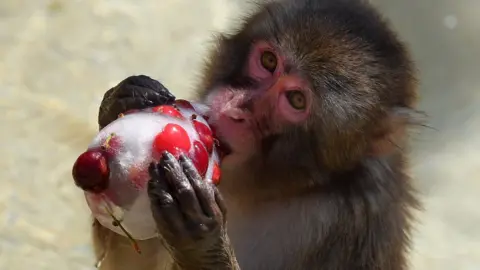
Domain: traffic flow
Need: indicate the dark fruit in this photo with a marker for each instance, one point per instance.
(90, 171)
(131, 111)
(200, 158)
(216, 174)
(184, 104)
(168, 110)
(173, 139)
(205, 134)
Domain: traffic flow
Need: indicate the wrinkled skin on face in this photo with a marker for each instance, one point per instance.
(343, 81)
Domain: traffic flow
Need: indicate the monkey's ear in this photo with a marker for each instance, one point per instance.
(392, 132)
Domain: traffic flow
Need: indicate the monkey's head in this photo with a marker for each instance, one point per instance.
(300, 88)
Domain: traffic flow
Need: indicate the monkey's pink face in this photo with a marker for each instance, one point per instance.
(242, 117)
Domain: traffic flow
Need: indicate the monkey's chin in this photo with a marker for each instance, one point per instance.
(233, 161)
(232, 158)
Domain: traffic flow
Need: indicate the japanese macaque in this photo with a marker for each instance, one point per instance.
(311, 101)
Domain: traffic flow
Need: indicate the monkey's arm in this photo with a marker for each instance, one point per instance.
(190, 215)
(204, 244)
(135, 92)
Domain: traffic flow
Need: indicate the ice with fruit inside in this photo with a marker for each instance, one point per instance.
(113, 172)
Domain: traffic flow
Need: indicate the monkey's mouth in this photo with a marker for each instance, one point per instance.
(224, 149)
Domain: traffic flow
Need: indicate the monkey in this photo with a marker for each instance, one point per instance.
(311, 101)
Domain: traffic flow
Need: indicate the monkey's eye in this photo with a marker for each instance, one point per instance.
(296, 99)
(269, 61)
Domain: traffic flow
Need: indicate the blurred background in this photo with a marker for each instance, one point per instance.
(58, 57)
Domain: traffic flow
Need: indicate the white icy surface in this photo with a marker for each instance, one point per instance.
(136, 133)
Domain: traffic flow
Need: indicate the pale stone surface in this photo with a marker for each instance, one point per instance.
(57, 58)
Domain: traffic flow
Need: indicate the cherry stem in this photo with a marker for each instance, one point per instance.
(116, 223)
(106, 144)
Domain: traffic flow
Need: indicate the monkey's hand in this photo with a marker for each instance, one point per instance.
(190, 215)
(135, 92)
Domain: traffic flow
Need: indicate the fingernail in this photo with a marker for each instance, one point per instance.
(166, 154)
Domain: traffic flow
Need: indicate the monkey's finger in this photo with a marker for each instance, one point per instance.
(148, 83)
(221, 204)
(164, 208)
(141, 101)
(104, 115)
(135, 92)
(111, 111)
(144, 93)
(182, 190)
(146, 87)
(157, 176)
(203, 191)
(109, 94)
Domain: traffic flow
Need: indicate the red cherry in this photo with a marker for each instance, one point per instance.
(90, 171)
(168, 110)
(173, 139)
(216, 174)
(200, 158)
(184, 104)
(205, 134)
(131, 111)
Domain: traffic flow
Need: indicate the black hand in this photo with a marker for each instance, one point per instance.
(135, 92)
(190, 215)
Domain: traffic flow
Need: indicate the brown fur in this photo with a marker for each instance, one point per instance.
(333, 193)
